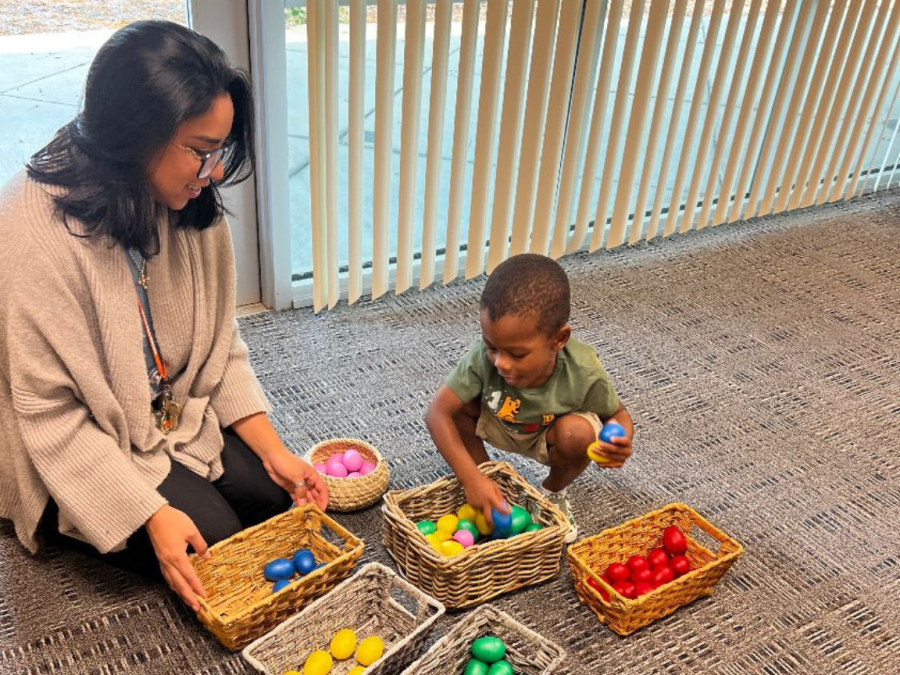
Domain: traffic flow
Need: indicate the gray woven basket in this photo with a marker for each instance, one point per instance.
(527, 652)
(374, 601)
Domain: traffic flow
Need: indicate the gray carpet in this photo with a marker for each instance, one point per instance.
(761, 362)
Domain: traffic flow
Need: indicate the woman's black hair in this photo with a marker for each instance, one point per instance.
(146, 80)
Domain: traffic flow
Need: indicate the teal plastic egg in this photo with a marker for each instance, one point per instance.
(469, 526)
(280, 568)
(476, 667)
(534, 527)
(426, 527)
(521, 519)
(501, 668)
(489, 649)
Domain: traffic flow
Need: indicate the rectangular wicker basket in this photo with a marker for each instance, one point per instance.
(527, 652)
(240, 605)
(590, 557)
(483, 571)
(374, 601)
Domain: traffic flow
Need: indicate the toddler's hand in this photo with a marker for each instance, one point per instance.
(485, 495)
(610, 455)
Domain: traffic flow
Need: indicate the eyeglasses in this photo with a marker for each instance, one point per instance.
(208, 160)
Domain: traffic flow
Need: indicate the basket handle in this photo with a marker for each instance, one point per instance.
(726, 544)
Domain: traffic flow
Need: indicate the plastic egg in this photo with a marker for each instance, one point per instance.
(501, 668)
(451, 547)
(469, 526)
(357, 670)
(612, 430)
(318, 663)
(367, 467)
(370, 650)
(426, 527)
(280, 568)
(293, 672)
(343, 644)
(304, 561)
(353, 460)
(534, 527)
(520, 520)
(335, 458)
(337, 471)
(442, 535)
(281, 583)
(466, 512)
(354, 474)
(434, 541)
(482, 525)
(321, 468)
(502, 521)
(475, 667)
(489, 649)
(447, 523)
(464, 537)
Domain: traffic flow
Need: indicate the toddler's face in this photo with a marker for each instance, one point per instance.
(523, 354)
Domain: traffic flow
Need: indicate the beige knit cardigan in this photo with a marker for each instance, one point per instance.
(75, 419)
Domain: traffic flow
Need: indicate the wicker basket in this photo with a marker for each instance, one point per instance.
(374, 601)
(351, 494)
(483, 571)
(591, 556)
(526, 651)
(240, 605)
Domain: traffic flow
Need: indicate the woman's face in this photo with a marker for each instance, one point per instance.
(172, 175)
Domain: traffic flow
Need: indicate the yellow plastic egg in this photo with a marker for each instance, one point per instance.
(434, 541)
(482, 524)
(370, 650)
(451, 547)
(293, 672)
(467, 512)
(442, 535)
(317, 663)
(357, 670)
(447, 523)
(343, 644)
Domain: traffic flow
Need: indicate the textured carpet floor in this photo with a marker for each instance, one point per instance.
(761, 363)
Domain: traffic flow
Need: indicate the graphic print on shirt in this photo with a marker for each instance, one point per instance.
(508, 411)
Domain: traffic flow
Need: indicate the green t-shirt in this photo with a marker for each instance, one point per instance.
(578, 384)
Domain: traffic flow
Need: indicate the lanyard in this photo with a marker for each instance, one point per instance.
(160, 364)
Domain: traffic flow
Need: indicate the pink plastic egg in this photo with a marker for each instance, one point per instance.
(353, 460)
(337, 470)
(354, 474)
(321, 468)
(464, 537)
(336, 458)
(367, 467)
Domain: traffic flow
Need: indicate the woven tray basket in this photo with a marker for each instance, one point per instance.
(374, 601)
(240, 605)
(527, 652)
(591, 556)
(483, 571)
(352, 494)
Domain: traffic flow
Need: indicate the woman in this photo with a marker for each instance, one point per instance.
(131, 423)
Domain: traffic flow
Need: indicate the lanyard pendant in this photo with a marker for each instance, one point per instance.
(169, 413)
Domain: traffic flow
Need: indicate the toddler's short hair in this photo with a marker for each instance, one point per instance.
(528, 284)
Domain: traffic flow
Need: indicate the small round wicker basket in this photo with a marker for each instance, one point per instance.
(352, 494)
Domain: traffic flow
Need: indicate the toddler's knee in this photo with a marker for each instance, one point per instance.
(574, 435)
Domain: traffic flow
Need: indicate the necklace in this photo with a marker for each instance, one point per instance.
(143, 279)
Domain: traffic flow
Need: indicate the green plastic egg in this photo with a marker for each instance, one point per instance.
(534, 527)
(426, 527)
(476, 667)
(501, 668)
(489, 649)
(469, 526)
(521, 519)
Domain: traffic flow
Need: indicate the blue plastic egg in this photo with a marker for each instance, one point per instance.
(502, 522)
(280, 568)
(278, 585)
(304, 561)
(612, 430)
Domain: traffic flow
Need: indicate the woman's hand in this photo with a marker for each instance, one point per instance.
(297, 477)
(484, 494)
(170, 532)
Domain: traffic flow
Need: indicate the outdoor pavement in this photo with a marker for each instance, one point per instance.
(41, 79)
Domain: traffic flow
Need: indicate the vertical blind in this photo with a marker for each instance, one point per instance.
(596, 124)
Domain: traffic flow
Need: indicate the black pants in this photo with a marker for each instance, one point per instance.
(243, 496)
